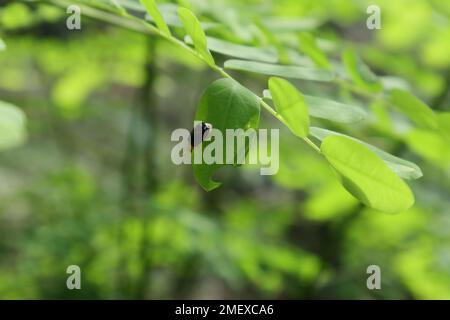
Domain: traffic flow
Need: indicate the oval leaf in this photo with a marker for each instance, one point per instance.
(294, 72)
(194, 30)
(366, 176)
(414, 109)
(153, 11)
(323, 108)
(225, 105)
(12, 126)
(291, 105)
(403, 168)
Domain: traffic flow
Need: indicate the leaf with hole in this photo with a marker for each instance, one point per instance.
(225, 104)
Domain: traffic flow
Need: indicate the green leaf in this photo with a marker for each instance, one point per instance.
(309, 46)
(195, 31)
(226, 105)
(2, 45)
(323, 108)
(291, 105)
(153, 11)
(401, 167)
(366, 176)
(12, 126)
(267, 54)
(414, 109)
(294, 72)
(359, 72)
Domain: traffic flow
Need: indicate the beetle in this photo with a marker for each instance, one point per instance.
(200, 133)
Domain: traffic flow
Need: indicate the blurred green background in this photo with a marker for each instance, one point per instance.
(93, 184)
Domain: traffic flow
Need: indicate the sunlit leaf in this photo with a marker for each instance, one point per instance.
(293, 72)
(413, 108)
(401, 167)
(225, 105)
(291, 105)
(12, 126)
(323, 108)
(359, 72)
(152, 9)
(195, 31)
(366, 176)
